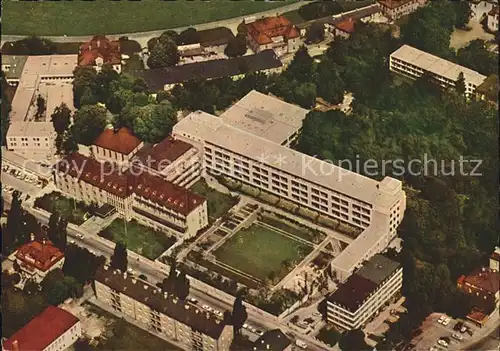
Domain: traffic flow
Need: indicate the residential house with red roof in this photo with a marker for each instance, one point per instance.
(394, 9)
(276, 33)
(345, 28)
(53, 329)
(117, 145)
(37, 258)
(99, 51)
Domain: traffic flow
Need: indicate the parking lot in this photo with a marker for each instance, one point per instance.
(21, 175)
(438, 333)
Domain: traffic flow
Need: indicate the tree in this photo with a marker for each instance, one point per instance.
(152, 123)
(301, 67)
(69, 144)
(462, 13)
(53, 228)
(85, 82)
(182, 286)
(40, 106)
(329, 84)
(305, 95)
(62, 229)
(61, 118)
(5, 109)
(460, 84)
(237, 46)
(476, 56)
(239, 315)
(31, 287)
(353, 340)
(90, 122)
(164, 53)
(56, 287)
(315, 33)
(15, 220)
(81, 264)
(119, 257)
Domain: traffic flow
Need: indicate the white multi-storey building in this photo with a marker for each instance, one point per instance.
(161, 312)
(394, 9)
(364, 293)
(52, 330)
(414, 63)
(257, 158)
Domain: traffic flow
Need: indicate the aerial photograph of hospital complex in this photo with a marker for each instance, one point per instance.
(247, 175)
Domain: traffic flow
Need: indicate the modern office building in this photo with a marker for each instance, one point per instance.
(161, 312)
(37, 258)
(250, 152)
(52, 330)
(364, 293)
(414, 63)
(134, 193)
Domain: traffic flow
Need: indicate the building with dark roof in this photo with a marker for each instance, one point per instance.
(166, 78)
(276, 33)
(37, 258)
(272, 340)
(53, 329)
(175, 319)
(134, 192)
(364, 292)
(116, 145)
(489, 89)
(483, 287)
(99, 51)
(174, 160)
(215, 39)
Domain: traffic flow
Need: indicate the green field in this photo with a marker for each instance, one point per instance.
(75, 18)
(218, 203)
(72, 210)
(261, 252)
(141, 239)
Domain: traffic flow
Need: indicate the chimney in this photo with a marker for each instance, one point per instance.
(15, 345)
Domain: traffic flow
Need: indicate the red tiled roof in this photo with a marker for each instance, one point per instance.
(263, 30)
(126, 183)
(164, 153)
(494, 11)
(346, 26)
(42, 330)
(393, 4)
(122, 140)
(485, 279)
(477, 316)
(99, 46)
(40, 255)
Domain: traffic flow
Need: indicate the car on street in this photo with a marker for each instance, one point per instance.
(193, 300)
(442, 342)
(301, 344)
(79, 236)
(207, 308)
(130, 271)
(218, 313)
(446, 321)
(457, 336)
(71, 241)
(317, 314)
(260, 332)
(441, 319)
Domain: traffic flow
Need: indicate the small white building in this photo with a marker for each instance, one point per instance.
(481, 8)
(493, 19)
(395, 9)
(53, 329)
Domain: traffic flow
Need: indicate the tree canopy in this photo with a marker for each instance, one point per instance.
(61, 118)
(164, 52)
(90, 121)
(119, 258)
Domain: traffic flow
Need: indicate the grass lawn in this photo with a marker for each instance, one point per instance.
(75, 18)
(218, 203)
(138, 238)
(304, 233)
(71, 209)
(260, 251)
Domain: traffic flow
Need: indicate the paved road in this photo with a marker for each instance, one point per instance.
(490, 342)
(143, 37)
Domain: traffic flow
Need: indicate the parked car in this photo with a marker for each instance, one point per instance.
(260, 332)
(317, 314)
(193, 300)
(442, 343)
(457, 336)
(245, 326)
(446, 321)
(441, 319)
(80, 236)
(301, 344)
(207, 308)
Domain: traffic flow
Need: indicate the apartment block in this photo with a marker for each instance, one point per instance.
(161, 312)
(364, 293)
(414, 63)
(247, 154)
(54, 329)
(134, 193)
(174, 160)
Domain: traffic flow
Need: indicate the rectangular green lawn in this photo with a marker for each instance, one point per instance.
(72, 210)
(259, 251)
(138, 238)
(218, 203)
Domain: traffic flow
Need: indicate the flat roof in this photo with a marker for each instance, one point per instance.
(265, 116)
(57, 65)
(21, 161)
(378, 268)
(353, 293)
(437, 65)
(58, 93)
(31, 129)
(16, 64)
(21, 102)
(213, 130)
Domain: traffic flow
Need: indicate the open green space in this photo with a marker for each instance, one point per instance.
(72, 210)
(218, 203)
(262, 252)
(73, 18)
(302, 232)
(141, 239)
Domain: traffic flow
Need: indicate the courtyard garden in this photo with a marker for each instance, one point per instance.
(76, 18)
(262, 253)
(76, 212)
(218, 203)
(143, 240)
